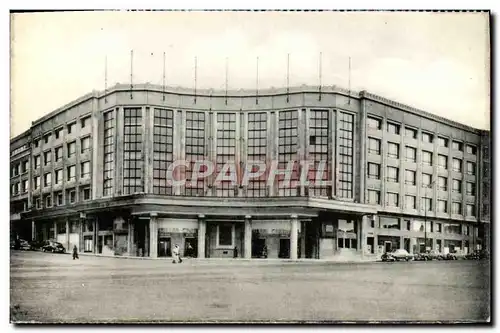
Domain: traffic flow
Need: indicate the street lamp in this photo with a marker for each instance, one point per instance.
(425, 212)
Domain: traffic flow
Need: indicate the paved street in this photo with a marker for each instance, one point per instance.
(54, 288)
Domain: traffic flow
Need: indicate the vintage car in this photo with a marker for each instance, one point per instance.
(396, 255)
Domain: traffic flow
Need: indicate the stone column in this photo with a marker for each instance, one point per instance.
(201, 236)
(33, 230)
(96, 234)
(153, 236)
(303, 240)
(55, 231)
(365, 220)
(129, 239)
(248, 237)
(294, 237)
(413, 242)
(67, 235)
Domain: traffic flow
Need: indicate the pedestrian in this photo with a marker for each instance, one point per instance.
(177, 256)
(75, 253)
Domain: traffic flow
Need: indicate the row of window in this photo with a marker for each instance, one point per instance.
(393, 128)
(19, 168)
(422, 226)
(392, 200)
(410, 179)
(70, 128)
(58, 152)
(56, 199)
(427, 156)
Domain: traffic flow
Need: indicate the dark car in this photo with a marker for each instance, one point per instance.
(450, 256)
(397, 255)
(24, 245)
(54, 247)
(433, 255)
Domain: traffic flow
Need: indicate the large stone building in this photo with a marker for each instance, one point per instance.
(93, 174)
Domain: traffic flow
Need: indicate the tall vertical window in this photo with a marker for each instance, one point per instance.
(442, 183)
(392, 174)
(457, 185)
(471, 168)
(410, 177)
(457, 165)
(163, 130)
(456, 208)
(442, 206)
(85, 144)
(346, 128)
(109, 153)
(195, 150)
(470, 210)
(411, 202)
(373, 170)
(85, 169)
(426, 157)
(59, 153)
(393, 150)
(132, 151)
(427, 204)
(426, 179)
(374, 146)
(288, 137)
(318, 152)
(71, 148)
(470, 188)
(47, 157)
(37, 161)
(226, 145)
(443, 161)
(374, 197)
(59, 176)
(71, 173)
(257, 139)
(411, 154)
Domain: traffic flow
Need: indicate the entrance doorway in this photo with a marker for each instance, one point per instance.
(284, 251)
(164, 247)
(259, 249)
(407, 245)
(191, 247)
(387, 246)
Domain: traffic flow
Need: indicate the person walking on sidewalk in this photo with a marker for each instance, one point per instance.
(75, 253)
(176, 253)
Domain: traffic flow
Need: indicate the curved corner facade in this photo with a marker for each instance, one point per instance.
(95, 174)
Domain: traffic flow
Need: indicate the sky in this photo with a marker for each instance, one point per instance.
(437, 62)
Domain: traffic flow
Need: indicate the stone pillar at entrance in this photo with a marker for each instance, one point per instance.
(413, 243)
(96, 234)
(363, 224)
(153, 237)
(67, 236)
(294, 237)
(202, 227)
(33, 230)
(55, 231)
(248, 238)
(303, 239)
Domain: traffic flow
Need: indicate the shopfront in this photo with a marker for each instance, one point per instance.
(271, 239)
(182, 232)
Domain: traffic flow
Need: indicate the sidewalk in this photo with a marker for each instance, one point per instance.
(339, 259)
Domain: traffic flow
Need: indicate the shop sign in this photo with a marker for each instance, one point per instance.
(275, 231)
(177, 231)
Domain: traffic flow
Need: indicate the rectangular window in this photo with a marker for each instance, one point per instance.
(71, 127)
(47, 179)
(226, 150)
(374, 123)
(373, 170)
(439, 227)
(225, 235)
(471, 149)
(374, 197)
(426, 157)
(71, 148)
(411, 202)
(48, 201)
(456, 145)
(392, 174)
(457, 185)
(257, 146)
(108, 153)
(47, 156)
(408, 224)
(471, 210)
(410, 177)
(24, 166)
(457, 165)
(85, 121)
(132, 152)
(71, 195)
(59, 198)
(374, 146)
(443, 161)
(288, 145)
(411, 154)
(410, 133)
(85, 193)
(442, 142)
(427, 204)
(442, 206)
(443, 184)
(85, 144)
(389, 223)
(393, 128)
(24, 186)
(58, 133)
(59, 176)
(470, 188)
(392, 199)
(59, 153)
(471, 168)
(85, 169)
(36, 182)
(346, 151)
(426, 179)
(36, 142)
(37, 161)
(427, 137)
(71, 174)
(46, 138)
(38, 202)
(393, 150)
(456, 208)
(163, 130)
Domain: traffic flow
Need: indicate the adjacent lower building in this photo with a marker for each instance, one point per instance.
(94, 174)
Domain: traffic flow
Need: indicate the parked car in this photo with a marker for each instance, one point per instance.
(54, 247)
(450, 256)
(396, 255)
(24, 245)
(433, 255)
(37, 245)
(420, 257)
